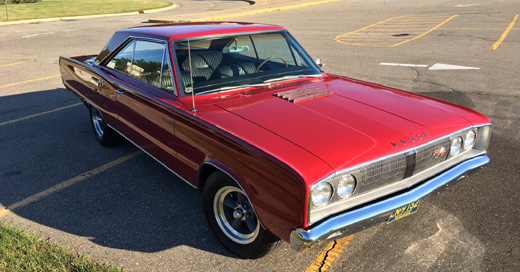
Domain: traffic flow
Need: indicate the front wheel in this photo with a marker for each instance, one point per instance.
(104, 134)
(233, 220)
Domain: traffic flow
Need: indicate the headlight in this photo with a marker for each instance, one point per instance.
(456, 145)
(321, 194)
(469, 142)
(346, 186)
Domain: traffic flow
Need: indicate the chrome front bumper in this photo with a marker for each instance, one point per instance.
(378, 212)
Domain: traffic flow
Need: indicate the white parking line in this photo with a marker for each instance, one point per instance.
(38, 34)
(403, 64)
(440, 66)
(436, 66)
(463, 6)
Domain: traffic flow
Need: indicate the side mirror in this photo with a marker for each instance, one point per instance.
(319, 63)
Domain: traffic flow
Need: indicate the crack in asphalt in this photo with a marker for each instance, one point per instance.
(443, 34)
(326, 255)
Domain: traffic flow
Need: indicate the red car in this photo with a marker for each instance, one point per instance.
(278, 148)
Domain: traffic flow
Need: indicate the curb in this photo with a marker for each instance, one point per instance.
(35, 21)
(242, 14)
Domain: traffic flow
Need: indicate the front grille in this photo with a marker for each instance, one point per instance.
(426, 155)
(396, 168)
(380, 173)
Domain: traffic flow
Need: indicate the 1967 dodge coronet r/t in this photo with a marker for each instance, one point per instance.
(278, 148)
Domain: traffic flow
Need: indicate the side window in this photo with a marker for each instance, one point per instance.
(147, 64)
(144, 60)
(122, 62)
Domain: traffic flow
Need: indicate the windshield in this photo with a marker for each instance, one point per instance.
(226, 63)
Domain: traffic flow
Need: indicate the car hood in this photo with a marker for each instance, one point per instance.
(359, 122)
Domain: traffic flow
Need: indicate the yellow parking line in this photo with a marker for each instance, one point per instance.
(329, 255)
(504, 35)
(28, 81)
(7, 210)
(417, 37)
(411, 27)
(472, 28)
(11, 64)
(359, 30)
(39, 114)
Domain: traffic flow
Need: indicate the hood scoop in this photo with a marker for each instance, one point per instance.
(302, 95)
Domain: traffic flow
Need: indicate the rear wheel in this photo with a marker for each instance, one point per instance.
(104, 134)
(233, 220)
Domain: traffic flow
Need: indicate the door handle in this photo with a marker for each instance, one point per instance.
(99, 84)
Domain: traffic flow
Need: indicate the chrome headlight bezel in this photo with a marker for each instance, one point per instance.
(470, 139)
(456, 145)
(321, 194)
(346, 186)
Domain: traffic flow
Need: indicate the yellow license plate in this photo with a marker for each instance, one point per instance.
(404, 211)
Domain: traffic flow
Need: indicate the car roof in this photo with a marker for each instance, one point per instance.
(190, 30)
(182, 31)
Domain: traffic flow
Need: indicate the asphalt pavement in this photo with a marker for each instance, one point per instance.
(123, 207)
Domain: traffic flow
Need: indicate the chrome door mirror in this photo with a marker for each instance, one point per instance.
(319, 63)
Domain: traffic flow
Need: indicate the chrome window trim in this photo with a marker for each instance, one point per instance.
(336, 206)
(227, 35)
(128, 40)
(250, 33)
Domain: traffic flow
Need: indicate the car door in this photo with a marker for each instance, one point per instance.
(145, 100)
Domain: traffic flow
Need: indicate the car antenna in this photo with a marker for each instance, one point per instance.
(191, 79)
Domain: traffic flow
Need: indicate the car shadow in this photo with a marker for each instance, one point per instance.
(137, 205)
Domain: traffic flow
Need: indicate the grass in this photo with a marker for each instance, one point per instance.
(20, 251)
(64, 8)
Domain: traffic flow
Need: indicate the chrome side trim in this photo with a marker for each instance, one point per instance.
(358, 219)
(152, 157)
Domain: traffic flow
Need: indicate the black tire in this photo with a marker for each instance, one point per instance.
(104, 134)
(233, 220)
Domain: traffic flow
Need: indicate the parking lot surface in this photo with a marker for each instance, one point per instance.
(121, 206)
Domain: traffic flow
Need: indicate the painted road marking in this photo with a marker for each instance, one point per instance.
(403, 64)
(230, 15)
(39, 114)
(28, 81)
(34, 198)
(436, 66)
(11, 64)
(38, 34)
(394, 31)
(440, 66)
(329, 255)
(463, 6)
(504, 35)
(385, 2)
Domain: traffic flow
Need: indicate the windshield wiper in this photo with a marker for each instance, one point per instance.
(230, 88)
(289, 78)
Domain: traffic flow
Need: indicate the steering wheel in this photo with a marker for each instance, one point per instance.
(268, 59)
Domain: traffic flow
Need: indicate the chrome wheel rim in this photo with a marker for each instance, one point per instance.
(97, 121)
(235, 215)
